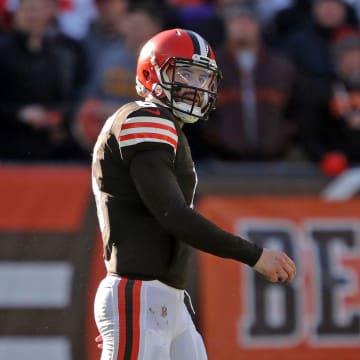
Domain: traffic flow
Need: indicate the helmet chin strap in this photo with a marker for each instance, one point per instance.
(182, 111)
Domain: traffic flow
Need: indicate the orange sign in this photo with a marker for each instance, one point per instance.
(49, 242)
(316, 317)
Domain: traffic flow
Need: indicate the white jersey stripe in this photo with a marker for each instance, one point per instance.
(150, 120)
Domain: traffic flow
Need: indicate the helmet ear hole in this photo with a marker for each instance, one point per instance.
(146, 75)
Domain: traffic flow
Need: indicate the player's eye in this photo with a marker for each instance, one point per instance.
(193, 77)
(203, 78)
(184, 74)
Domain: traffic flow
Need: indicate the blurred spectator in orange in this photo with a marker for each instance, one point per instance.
(330, 129)
(254, 119)
(112, 83)
(37, 82)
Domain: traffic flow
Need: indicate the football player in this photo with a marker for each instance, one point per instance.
(144, 182)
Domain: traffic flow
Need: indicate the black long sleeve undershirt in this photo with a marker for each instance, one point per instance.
(155, 180)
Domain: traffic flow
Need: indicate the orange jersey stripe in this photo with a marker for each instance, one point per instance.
(148, 125)
(163, 138)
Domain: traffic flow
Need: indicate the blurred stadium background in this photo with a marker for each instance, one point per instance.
(50, 263)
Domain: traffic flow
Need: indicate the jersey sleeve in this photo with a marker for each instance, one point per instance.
(147, 129)
(163, 197)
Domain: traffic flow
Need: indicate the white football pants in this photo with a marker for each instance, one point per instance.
(145, 320)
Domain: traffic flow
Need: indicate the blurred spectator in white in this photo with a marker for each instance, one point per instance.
(112, 81)
(75, 16)
(330, 129)
(254, 116)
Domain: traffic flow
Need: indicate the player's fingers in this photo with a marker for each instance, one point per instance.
(286, 260)
(99, 339)
(273, 278)
(282, 275)
(291, 264)
(290, 268)
(291, 276)
(99, 342)
(291, 272)
(280, 268)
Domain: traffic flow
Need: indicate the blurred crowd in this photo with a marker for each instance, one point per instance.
(290, 88)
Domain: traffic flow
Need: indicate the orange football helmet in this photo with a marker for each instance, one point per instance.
(164, 69)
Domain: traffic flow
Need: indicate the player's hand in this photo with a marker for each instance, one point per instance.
(276, 266)
(99, 341)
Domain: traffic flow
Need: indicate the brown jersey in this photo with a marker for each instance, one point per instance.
(144, 182)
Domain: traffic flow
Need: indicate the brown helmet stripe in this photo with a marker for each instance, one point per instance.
(201, 47)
